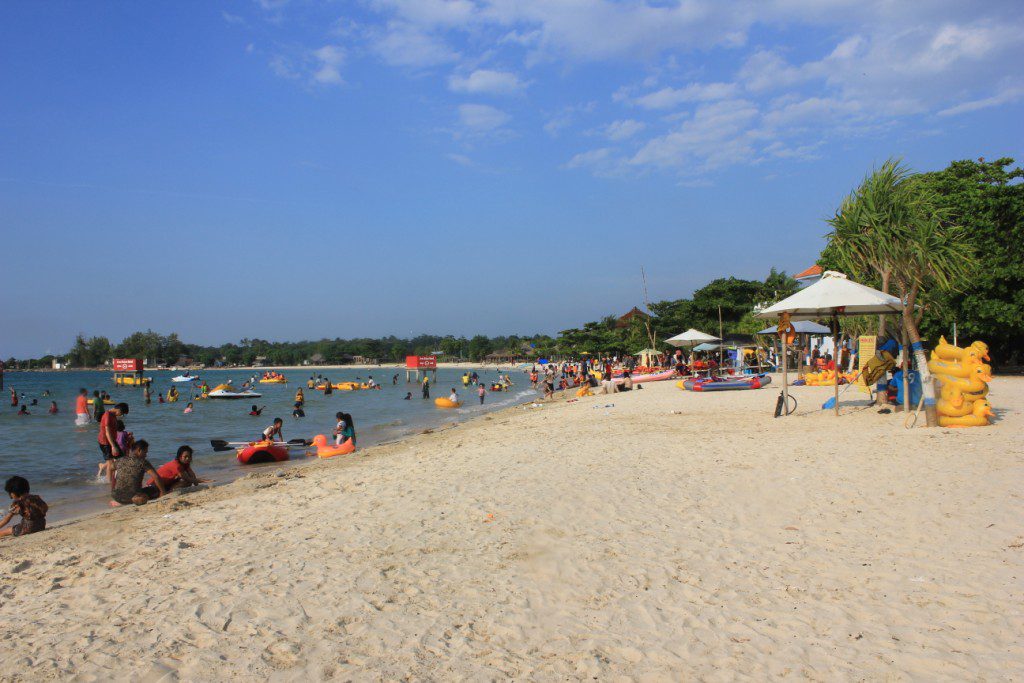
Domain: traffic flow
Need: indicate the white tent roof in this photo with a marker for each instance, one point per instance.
(834, 294)
(691, 337)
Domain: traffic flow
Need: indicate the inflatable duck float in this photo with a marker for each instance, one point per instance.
(981, 411)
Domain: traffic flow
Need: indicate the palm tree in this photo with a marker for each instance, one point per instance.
(891, 227)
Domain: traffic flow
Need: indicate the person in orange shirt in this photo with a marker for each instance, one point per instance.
(82, 408)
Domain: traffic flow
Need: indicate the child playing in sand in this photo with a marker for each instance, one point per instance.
(178, 473)
(29, 507)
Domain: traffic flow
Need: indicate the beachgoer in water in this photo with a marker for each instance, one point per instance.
(328, 389)
(188, 408)
(53, 408)
(273, 432)
(35, 401)
(297, 411)
(453, 397)
(481, 392)
(408, 396)
(14, 398)
(128, 473)
(394, 380)
(146, 395)
(178, 473)
(300, 398)
(160, 397)
(255, 412)
(371, 382)
(24, 410)
(426, 387)
(82, 408)
(31, 508)
(97, 406)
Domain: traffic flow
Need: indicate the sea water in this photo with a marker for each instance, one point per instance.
(60, 459)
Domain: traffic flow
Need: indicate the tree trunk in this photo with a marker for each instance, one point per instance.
(880, 395)
(931, 416)
(885, 290)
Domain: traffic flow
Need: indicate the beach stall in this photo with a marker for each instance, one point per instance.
(128, 372)
(805, 329)
(830, 297)
(690, 339)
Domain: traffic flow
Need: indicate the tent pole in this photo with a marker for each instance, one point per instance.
(835, 357)
(785, 375)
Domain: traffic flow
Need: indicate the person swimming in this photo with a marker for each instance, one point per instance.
(408, 396)
(255, 412)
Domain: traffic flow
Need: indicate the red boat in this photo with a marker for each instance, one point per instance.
(262, 451)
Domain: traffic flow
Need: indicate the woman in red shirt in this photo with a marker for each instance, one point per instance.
(178, 472)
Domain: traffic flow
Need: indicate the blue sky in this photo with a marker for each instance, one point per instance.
(292, 169)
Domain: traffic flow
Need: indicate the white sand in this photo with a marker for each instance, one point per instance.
(562, 542)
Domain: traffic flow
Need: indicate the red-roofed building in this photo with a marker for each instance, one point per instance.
(808, 276)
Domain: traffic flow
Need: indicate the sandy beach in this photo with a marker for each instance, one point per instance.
(652, 535)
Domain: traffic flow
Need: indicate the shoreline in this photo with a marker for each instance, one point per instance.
(654, 534)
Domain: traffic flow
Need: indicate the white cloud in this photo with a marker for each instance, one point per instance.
(481, 118)
(667, 98)
(591, 158)
(460, 159)
(485, 81)
(566, 116)
(720, 133)
(330, 59)
(1004, 96)
(232, 18)
(405, 44)
(623, 130)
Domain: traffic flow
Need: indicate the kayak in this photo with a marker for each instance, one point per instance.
(262, 451)
(652, 377)
(706, 384)
(229, 393)
(183, 378)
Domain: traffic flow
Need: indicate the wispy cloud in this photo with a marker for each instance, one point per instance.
(407, 45)
(481, 118)
(329, 60)
(486, 82)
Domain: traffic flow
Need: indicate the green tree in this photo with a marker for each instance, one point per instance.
(893, 224)
(987, 199)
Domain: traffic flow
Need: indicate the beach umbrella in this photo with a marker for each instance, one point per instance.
(833, 295)
(830, 297)
(800, 327)
(691, 338)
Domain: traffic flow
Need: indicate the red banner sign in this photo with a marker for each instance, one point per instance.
(128, 365)
(421, 362)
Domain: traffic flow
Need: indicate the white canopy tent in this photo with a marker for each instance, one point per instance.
(830, 297)
(691, 338)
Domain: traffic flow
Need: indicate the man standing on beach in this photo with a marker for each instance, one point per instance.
(108, 437)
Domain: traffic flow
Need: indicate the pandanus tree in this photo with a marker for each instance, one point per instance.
(891, 228)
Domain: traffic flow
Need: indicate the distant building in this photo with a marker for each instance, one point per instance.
(628, 317)
(809, 276)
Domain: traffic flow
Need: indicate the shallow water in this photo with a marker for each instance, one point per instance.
(60, 459)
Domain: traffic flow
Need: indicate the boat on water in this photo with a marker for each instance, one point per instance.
(228, 391)
(184, 378)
